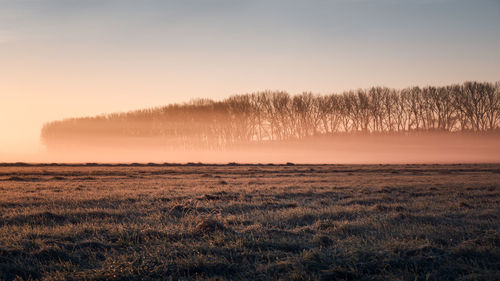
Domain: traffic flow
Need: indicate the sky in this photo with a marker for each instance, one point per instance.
(70, 58)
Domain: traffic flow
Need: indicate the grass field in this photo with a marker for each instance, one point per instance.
(256, 222)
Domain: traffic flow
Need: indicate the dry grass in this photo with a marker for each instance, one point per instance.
(291, 222)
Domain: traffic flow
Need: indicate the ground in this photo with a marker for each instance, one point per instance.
(256, 222)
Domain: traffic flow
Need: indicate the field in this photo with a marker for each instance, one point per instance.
(256, 222)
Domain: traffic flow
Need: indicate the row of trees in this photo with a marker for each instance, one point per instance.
(276, 115)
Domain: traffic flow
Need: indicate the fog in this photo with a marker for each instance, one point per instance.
(346, 149)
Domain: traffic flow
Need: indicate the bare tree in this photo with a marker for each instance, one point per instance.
(276, 116)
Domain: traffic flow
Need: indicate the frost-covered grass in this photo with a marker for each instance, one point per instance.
(257, 222)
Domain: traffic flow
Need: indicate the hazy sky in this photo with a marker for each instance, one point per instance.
(65, 58)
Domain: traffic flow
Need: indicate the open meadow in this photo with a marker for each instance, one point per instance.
(255, 222)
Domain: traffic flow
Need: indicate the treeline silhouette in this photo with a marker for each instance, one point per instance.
(276, 115)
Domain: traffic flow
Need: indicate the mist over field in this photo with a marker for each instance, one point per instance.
(342, 149)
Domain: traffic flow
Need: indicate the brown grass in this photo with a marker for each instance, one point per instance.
(264, 222)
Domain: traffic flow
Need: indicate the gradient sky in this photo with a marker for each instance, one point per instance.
(66, 58)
